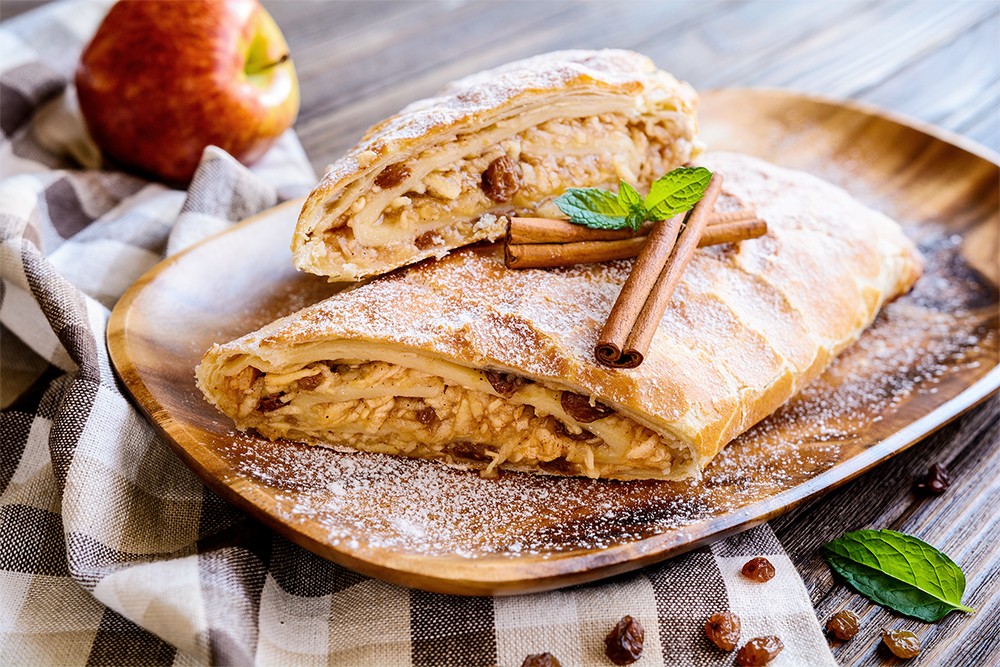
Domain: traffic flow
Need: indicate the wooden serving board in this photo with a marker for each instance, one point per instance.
(931, 355)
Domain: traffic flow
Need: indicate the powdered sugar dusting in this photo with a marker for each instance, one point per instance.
(743, 318)
(923, 350)
(612, 70)
(396, 503)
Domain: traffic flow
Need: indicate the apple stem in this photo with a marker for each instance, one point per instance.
(250, 71)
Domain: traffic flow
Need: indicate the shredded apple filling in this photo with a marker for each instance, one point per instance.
(505, 420)
(514, 174)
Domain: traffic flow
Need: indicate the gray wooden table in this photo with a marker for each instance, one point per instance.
(938, 61)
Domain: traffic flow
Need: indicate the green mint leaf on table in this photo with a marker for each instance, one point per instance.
(593, 207)
(676, 192)
(597, 208)
(900, 572)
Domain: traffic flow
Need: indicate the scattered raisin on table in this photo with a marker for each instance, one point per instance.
(623, 645)
(903, 643)
(723, 630)
(541, 660)
(500, 181)
(843, 625)
(759, 651)
(935, 482)
(758, 569)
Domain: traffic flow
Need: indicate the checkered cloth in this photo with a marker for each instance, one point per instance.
(112, 551)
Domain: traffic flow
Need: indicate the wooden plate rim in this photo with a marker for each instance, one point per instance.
(492, 574)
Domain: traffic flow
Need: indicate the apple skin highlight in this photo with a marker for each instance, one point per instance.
(161, 80)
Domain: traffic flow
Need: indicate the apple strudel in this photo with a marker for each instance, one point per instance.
(464, 361)
(444, 171)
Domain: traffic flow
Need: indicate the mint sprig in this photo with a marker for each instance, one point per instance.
(900, 572)
(674, 192)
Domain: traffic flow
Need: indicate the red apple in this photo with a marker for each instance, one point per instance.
(163, 79)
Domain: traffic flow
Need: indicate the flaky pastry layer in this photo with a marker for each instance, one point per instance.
(379, 399)
(445, 171)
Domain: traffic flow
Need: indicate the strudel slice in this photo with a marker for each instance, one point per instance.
(443, 172)
(467, 362)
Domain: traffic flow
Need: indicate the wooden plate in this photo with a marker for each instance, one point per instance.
(930, 356)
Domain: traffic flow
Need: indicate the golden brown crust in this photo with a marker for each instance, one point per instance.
(569, 84)
(748, 327)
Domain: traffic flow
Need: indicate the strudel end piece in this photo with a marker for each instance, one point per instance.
(444, 171)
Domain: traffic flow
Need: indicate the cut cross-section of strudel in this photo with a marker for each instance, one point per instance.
(464, 361)
(444, 171)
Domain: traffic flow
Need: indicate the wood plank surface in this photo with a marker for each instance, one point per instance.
(963, 522)
(362, 61)
(935, 61)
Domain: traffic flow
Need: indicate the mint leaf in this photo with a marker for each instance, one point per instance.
(635, 219)
(593, 207)
(676, 192)
(629, 197)
(673, 193)
(900, 572)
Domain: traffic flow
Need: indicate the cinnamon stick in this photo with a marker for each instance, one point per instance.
(548, 255)
(732, 232)
(659, 297)
(723, 217)
(611, 342)
(554, 230)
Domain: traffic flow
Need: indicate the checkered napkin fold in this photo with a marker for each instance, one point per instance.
(112, 551)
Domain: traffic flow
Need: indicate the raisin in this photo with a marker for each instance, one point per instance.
(723, 630)
(561, 429)
(310, 381)
(903, 643)
(472, 451)
(759, 651)
(559, 466)
(500, 180)
(758, 569)
(843, 625)
(541, 660)
(426, 415)
(268, 403)
(392, 175)
(579, 408)
(623, 645)
(935, 482)
(504, 384)
(427, 239)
